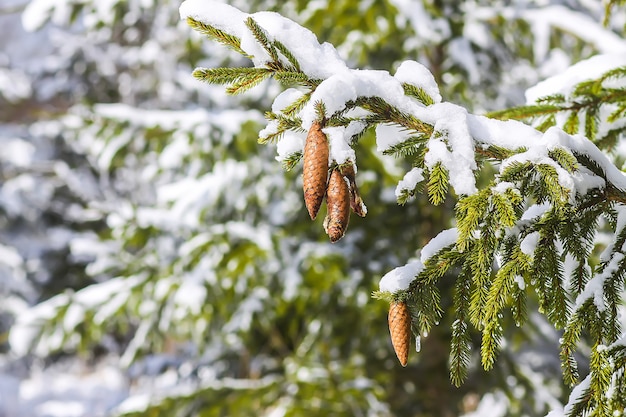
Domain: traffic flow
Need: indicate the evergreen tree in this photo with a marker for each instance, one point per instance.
(204, 272)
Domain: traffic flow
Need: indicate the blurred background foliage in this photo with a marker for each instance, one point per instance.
(140, 220)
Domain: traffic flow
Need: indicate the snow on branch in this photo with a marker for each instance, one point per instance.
(455, 136)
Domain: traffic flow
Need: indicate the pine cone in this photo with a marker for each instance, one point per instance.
(315, 168)
(338, 203)
(356, 202)
(400, 330)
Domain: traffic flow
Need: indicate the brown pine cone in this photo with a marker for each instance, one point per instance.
(400, 330)
(338, 203)
(315, 168)
(347, 170)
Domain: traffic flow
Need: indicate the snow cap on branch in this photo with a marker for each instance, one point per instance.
(316, 60)
(410, 181)
(452, 145)
(344, 86)
(565, 83)
(418, 75)
(400, 278)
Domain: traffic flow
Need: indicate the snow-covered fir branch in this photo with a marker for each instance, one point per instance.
(498, 250)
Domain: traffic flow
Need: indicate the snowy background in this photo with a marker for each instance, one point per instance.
(132, 275)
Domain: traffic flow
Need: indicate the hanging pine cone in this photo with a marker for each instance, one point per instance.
(400, 330)
(315, 168)
(347, 170)
(338, 203)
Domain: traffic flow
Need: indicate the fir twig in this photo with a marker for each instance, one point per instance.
(438, 184)
(218, 35)
(291, 161)
(230, 75)
(418, 93)
(262, 38)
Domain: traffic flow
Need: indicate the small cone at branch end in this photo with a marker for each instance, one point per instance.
(338, 203)
(400, 330)
(315, 168)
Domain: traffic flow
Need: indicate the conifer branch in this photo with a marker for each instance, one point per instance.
(285, 123)
(414, 145)
(230, 75)
(247, 83)
(437, 184)
(295, 65)
(262, 38)
(386, 113)
(460, 346)
(584, 103)
(569, 342)
(218, 35)
(503, 253)
(294, 108)
(291, 77)
(525, 112)
(418, 93)
(291, 161)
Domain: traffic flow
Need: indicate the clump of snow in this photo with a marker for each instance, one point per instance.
(340, 149)
(400, 278)
(588, 69)
(443, 239)
(585, 180)
(347, 85)
(536, 210)
(621, 218)
(410, 181)
(577, 393)
(290, 143)
(453, 146)
(388, 135)
(14, 85)
(270, 129)
(17, 152)
(217, 14)
(414, 73)
(38, 11)
(529, 243)
(285, 98)
(594, 288)
(519, 280)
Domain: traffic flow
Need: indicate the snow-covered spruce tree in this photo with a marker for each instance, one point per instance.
(531, 232)
(237, 323)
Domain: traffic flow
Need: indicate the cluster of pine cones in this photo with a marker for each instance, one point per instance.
(341, 194)
(339, 188)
